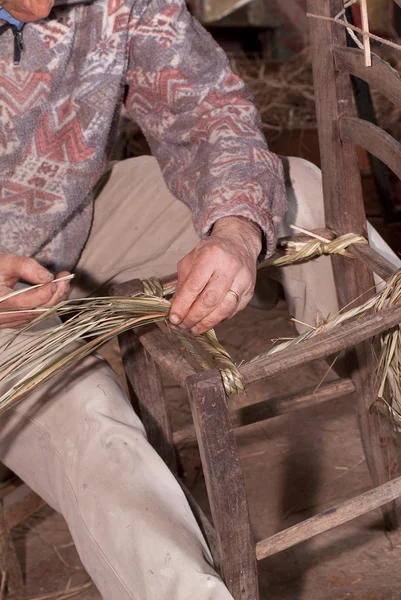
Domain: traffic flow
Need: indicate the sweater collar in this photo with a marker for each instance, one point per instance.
(7, 18)
(62, 3)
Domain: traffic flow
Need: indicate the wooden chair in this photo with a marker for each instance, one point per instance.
(232, 543)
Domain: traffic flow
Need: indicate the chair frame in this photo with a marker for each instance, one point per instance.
(148, 351)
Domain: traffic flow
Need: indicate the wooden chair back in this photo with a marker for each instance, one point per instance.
(340, 131)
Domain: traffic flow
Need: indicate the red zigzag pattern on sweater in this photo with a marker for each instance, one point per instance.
(68, 139)
(21, 95)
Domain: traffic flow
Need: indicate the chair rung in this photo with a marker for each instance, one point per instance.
(340, 337)
(274, 407)
(344, 512)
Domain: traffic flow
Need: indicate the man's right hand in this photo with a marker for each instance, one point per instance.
(12, 269)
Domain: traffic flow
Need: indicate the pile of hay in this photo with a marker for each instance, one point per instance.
(282, 91)
(284, 95)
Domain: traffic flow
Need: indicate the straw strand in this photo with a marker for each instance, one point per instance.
(347, 25)
(316, 248)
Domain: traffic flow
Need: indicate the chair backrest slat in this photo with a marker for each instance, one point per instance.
(380, 75)
(373, 139)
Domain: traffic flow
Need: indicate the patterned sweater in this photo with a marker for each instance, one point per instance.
(59, 109)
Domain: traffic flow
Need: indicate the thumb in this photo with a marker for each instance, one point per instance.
(13, 267)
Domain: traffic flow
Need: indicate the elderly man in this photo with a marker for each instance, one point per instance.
(64, 70)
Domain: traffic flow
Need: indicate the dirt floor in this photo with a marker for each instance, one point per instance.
(294, 465)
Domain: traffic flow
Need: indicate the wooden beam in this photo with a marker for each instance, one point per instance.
(342, 513)
(345, 212)
(380, 75)
(132, 287)
(274, 407)
(166, 355)
(373, 260)
(148, 397)
(225, 484)
(340, 337)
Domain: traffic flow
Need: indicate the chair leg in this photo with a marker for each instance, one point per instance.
(378, 438)
(11, 581)
(225, 484)
(149, 400)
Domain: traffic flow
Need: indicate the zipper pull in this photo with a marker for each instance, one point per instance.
(18, 45)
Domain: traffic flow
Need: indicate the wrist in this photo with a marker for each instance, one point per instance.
(233, 225)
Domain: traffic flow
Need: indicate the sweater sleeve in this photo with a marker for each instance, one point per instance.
(200, 122)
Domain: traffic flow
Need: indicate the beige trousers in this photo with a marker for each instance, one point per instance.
(77, 441)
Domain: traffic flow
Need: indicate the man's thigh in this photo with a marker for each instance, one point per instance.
(47, 435)
(140, 229)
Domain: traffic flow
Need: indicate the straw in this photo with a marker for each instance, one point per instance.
(90, 322)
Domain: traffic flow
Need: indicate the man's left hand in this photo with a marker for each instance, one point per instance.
(217, 278)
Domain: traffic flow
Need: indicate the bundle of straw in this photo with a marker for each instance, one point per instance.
(90, 322)
(99, 319)
(388, 365)
(24, 365)
(388, 370)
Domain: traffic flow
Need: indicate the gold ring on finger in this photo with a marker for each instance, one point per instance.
(234, 294)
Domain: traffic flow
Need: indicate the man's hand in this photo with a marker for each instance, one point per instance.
(221, 264)
(12, 269)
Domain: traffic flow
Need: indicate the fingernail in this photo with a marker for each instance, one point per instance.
(44, 275)
(195, 330)
(54, 288)
(175, 319)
